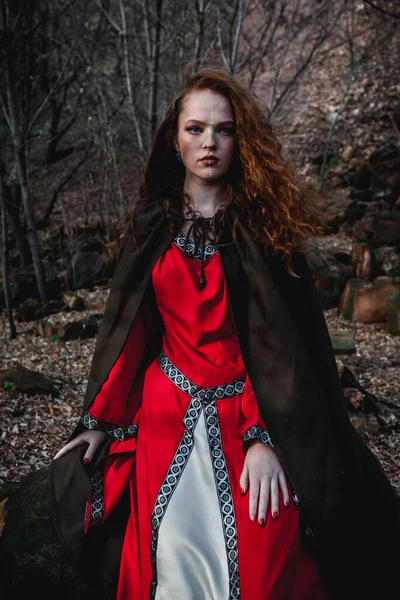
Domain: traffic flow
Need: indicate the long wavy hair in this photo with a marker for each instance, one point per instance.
(281, 211)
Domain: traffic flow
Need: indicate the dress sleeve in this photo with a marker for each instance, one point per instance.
(256, 430)
(115, 408)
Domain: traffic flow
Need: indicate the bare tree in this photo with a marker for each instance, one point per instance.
(5, 266)
(9, 25)
(40, 101)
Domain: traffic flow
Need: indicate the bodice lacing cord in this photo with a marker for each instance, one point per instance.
(200, 231)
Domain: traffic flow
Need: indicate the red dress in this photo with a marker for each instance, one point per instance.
(189, 534)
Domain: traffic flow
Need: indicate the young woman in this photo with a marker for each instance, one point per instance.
(214, 458)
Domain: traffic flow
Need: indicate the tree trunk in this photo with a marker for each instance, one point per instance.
(4, 266)
(20, 160)
(11, 204)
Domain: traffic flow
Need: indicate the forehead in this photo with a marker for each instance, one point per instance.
(206, 105)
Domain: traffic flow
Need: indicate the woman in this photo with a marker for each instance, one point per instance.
(214, 457)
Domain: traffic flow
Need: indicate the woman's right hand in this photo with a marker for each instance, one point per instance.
(92, 437)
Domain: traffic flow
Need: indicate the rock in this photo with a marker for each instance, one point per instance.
(347, 153)
(365, 424)
(371, 305)
(354, 398)
(85, 328)
(28, 381)
(393, 318)
(28, 310)
(359, 423)
(73, 302)
(372, 425)
(46, 329)
(23, 284)
(354, 212)
(366, 302)
(340, 255)
(88, 269)
(333, 224)
(375, 411)
(377, 179)
(346, 304)
(385, 415)
(388, 260)
(330, 276)
(364, 262)
(343, 342)
(85, 270)
(32, 309)
(394, 271)
(380, 229)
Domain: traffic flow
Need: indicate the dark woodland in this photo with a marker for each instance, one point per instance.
(83, 86)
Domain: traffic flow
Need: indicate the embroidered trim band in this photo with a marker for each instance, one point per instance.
(202, 399)
(192, 250)
(119, 433)
(255, 432)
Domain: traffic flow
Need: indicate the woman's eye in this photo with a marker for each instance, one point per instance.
(194, 129)
(227, 130)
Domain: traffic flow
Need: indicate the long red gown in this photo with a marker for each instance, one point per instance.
(189, 534)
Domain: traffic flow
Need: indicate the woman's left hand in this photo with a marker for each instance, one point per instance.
(264, 476)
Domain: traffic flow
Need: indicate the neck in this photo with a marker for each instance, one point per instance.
(204, 198)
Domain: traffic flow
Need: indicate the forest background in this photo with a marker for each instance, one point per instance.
(83, 86)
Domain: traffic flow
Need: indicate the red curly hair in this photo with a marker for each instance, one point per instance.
(281, 212)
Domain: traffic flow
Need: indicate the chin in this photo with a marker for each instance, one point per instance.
(212, 174)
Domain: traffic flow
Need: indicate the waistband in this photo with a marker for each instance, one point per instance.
(218, 392)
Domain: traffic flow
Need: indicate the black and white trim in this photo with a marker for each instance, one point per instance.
(255, 432)
(188, 246)
(97, 504)
(115, 431)
(170, 482)
(202, 400)
(224, 497)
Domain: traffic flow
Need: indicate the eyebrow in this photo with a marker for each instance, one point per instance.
(204, 123)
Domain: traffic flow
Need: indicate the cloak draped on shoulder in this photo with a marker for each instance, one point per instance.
(349, 509)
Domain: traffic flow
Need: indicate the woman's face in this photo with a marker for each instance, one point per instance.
(206, 135)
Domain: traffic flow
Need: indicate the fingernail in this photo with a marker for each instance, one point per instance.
(243, 491)
(275, 515)
(252, 517)
(286, 504)
(262, 522)
(85, 461)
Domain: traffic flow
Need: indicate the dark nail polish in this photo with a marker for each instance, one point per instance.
(286, 504)
(262, 522)
(275, 516)
(243, 491)
(85, 461)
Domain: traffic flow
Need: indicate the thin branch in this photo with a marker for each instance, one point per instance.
(381, 10)
(239, 25)
(44, 221)
(46, 99)
(221, 45)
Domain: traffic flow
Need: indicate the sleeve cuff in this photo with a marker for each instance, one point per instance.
(255, 433)
(115, 431)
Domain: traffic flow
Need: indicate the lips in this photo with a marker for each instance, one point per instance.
(209, 160)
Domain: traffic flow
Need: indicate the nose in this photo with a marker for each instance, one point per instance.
(209, 140)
